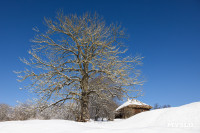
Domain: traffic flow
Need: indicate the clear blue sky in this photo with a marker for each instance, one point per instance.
(165, 32)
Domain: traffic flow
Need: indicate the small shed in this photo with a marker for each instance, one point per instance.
(130, 108)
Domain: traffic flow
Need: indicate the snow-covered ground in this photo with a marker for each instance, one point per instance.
(183, 119)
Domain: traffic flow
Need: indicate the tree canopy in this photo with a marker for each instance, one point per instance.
(74, 51)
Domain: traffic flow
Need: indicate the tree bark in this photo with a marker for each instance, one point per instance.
(84, 100)
(84, 108)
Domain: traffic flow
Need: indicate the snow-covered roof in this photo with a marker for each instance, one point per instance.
(131, 102)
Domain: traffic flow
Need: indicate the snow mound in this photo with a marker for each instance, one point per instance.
(186, 116)
(183, 119)
(131, 102)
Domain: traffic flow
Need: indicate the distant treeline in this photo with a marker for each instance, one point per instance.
(157, 106)
(68, 111)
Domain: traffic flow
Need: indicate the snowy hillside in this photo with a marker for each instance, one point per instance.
(183, 119)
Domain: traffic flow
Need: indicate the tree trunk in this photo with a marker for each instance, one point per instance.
(84, 100)
(84, 108)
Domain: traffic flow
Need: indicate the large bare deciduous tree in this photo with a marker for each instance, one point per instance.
(103, 104)
(74, 50)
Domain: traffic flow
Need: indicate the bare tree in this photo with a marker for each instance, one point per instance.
(72, 51)
(24, 111)
(5, 111)
(103, 104)
(101, 108)
(157, 106)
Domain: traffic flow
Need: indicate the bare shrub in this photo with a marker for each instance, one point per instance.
(5, 111)
(24, 111)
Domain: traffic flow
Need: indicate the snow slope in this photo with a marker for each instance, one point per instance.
(183, 119)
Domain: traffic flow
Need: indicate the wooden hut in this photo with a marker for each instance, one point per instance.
(130, 108)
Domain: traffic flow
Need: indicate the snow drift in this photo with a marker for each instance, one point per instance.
(183, 119)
